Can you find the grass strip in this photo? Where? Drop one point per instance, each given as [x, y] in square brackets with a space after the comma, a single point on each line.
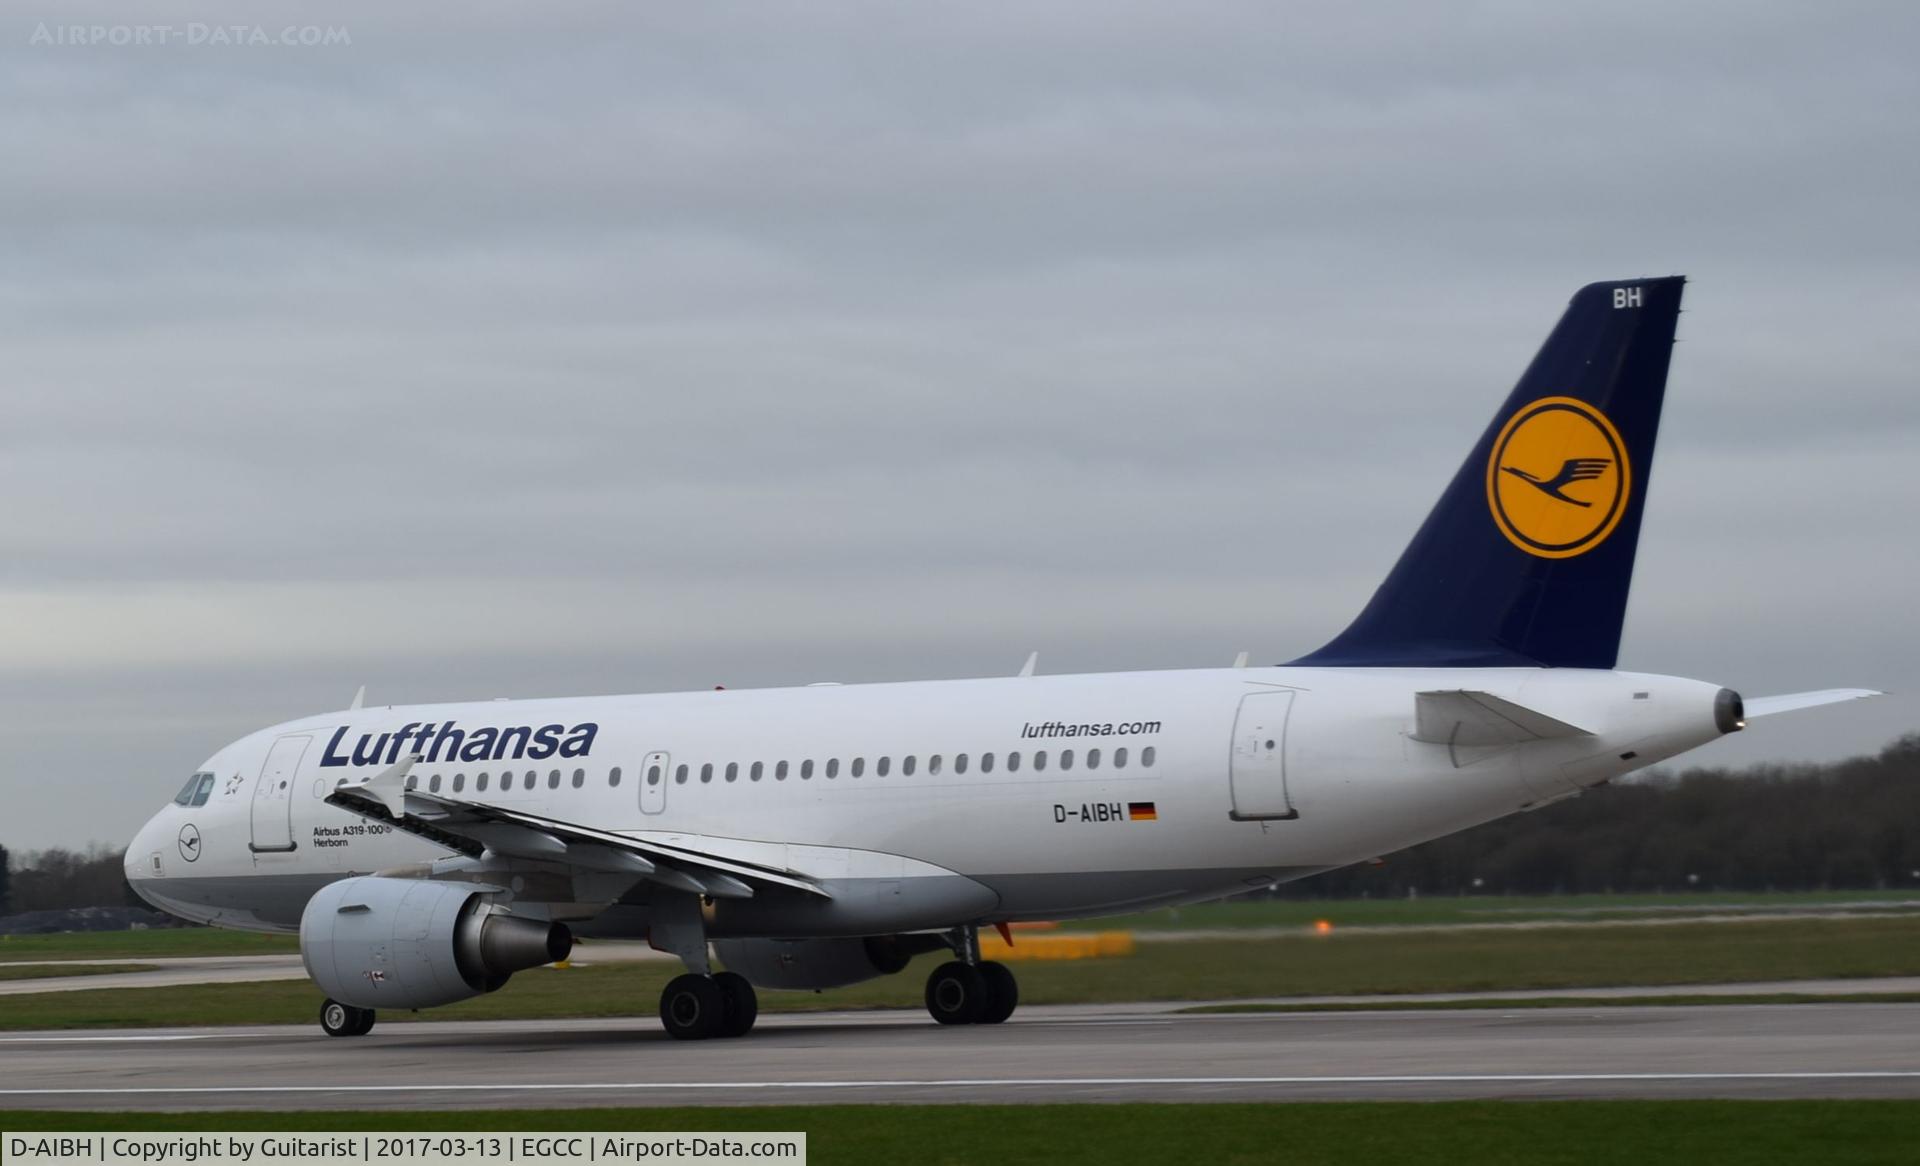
[1486, 1133]
[152, 943]
[1496, 909]
[1368, 963]
[1483, 1003]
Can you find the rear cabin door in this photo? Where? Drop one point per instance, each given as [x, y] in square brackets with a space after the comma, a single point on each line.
[653, 783]
[273, 796]
[1259, 764]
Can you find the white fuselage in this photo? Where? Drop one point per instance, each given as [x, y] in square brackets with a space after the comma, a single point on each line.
[1232, 779]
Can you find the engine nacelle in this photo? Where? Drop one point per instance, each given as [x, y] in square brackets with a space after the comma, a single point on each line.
[821, 963]
[407, 943]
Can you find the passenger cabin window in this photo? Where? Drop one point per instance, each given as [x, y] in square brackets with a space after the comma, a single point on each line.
[1066, 759]
[706, 773]
[833, 767]
[960, 763]
[459, 782]
[433, 786]
[758, 767]
[1120, 757]
[733, 771]
[579, 778]
[413, 781]
[553, 779]
[881, 767]
[859, 766]
[480, 783]
[780, 772]
[906, 765]
[613, 776]
[1013, 762]
[986, 763]
[806, 769]
[1146, 758]
[680, 775]
[933, 764]
[1093, 759]
[1039, 759]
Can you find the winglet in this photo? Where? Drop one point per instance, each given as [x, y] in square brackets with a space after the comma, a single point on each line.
[1033, 661]
[359, 698]
[390, 785]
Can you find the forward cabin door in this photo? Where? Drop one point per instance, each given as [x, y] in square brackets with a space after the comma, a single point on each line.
[653, 783]
[273, 796]
[1259, 764]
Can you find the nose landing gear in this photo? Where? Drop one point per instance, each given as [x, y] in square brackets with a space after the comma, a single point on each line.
[970, 990]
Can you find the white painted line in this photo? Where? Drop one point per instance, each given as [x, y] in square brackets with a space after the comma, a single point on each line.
[987, 1082]
[82, 1040]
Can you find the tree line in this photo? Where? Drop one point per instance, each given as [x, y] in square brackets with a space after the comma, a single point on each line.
[1852, 824]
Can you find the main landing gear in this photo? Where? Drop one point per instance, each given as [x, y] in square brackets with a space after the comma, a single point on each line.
[338, 1019]
[970, 990]
[695, 1007]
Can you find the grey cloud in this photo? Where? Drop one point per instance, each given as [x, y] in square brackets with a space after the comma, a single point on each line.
[635, 347]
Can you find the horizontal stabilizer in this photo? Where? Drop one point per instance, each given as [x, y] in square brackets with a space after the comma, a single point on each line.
[1766, 706]
[1463, 717]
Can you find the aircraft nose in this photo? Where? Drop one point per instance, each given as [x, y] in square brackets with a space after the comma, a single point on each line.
[145, 860]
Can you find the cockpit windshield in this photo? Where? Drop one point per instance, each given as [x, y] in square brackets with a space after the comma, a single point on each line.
[198, 789]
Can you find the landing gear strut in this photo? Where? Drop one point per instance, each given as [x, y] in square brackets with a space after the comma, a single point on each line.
[337, 1019]
[970, 990]
[695, 1007]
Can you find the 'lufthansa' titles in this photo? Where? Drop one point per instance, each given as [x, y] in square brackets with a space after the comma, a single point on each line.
[448, 741]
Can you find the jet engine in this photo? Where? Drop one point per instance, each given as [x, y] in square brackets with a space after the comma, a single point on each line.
[376, 942]
[813, 964]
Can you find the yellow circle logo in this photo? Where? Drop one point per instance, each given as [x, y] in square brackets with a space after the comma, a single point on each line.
[1558, 479]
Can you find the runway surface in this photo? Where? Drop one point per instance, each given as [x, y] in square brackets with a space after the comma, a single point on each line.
[1136, 1052]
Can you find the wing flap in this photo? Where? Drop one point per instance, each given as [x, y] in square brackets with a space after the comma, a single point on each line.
[472, 828]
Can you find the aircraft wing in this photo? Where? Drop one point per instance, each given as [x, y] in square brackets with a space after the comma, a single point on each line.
[686, 863]
[1466, 717]
[1766, 706]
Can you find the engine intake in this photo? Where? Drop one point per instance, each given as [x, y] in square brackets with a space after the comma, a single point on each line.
[377, 942]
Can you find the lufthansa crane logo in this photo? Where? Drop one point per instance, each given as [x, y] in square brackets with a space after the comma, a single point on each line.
[1558, 478]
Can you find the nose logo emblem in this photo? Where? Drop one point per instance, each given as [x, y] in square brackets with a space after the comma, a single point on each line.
[189, 842]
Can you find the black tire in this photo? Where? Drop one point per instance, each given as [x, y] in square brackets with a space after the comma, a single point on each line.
[740, 1004]
[337, 1019]
[1003, 992]
[956, 994]
[692, 1008]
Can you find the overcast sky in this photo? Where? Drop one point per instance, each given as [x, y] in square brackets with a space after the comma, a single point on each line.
[649, 347]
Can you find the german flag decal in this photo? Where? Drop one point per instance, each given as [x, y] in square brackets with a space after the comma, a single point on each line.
[1142, 812]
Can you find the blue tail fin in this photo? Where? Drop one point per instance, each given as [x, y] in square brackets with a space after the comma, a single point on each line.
[1528, 556]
